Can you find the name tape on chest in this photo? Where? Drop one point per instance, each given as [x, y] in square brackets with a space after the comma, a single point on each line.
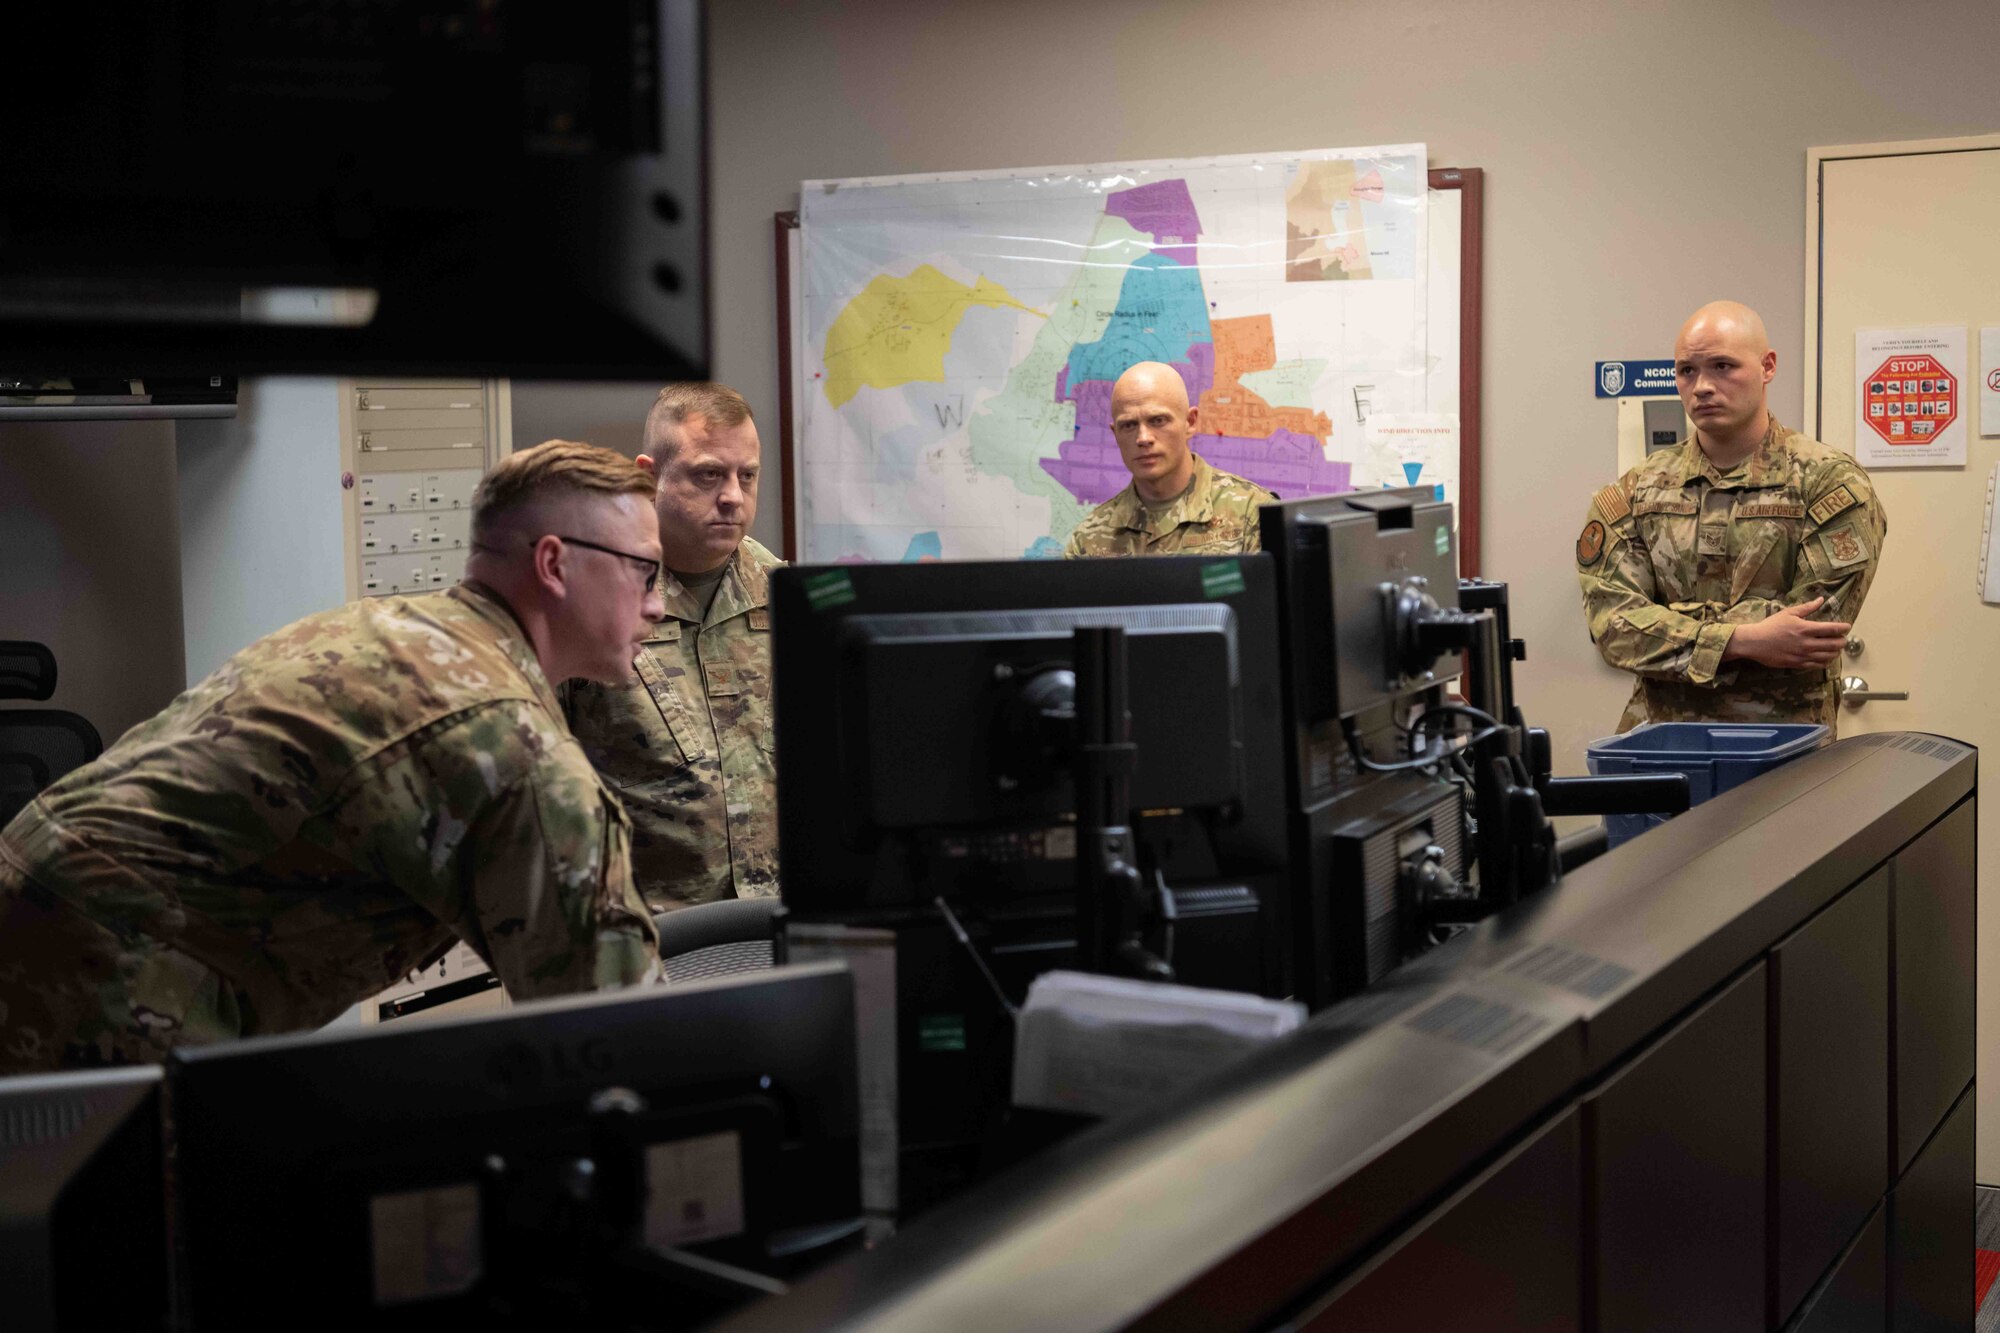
[1833, 502]
[1772, 509]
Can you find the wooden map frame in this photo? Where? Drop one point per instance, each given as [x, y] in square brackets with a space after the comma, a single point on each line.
[1470, 182]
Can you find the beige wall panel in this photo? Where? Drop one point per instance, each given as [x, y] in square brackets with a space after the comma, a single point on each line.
[1642, 159]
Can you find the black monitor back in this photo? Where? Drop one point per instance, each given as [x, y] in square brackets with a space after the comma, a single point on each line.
[83, 1239]
[897, 790]
[297, 1154]
[1343, 562]
[411, 188]
[888, 689]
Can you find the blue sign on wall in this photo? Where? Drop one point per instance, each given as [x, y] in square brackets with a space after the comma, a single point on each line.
[1635, 379]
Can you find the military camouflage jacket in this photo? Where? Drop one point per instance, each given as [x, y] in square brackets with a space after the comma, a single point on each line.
[1217, 516]
[1676, 554]
[688, 746]
[327, 811]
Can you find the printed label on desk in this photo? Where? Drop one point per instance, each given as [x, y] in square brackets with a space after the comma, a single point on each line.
[696, 1190]
[426, 1243]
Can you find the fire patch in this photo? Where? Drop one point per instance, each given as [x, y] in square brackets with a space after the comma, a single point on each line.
[1843, 546]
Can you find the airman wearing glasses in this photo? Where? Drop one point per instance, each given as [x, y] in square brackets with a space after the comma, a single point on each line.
[688, 744]
[347, 798]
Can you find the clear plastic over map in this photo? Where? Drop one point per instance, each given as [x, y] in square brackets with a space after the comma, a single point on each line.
[959, 336]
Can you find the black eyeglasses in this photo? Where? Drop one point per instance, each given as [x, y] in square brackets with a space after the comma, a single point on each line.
[652, 567]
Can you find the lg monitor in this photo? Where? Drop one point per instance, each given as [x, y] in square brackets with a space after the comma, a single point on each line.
[80, 1187]
[640, 1159]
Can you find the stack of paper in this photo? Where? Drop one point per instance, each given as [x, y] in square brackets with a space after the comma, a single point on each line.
[1103, 1045]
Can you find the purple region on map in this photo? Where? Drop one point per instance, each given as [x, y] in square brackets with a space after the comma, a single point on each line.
[1093, 397]
[1161, 305]
[1164, 209]
[1287, 464]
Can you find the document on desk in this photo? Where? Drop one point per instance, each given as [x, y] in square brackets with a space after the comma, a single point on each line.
[1104, 1045]
[871, 956]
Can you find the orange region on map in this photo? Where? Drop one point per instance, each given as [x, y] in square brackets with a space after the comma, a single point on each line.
[1243, 346]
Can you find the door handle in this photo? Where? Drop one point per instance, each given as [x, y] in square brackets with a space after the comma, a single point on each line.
[1854, 692]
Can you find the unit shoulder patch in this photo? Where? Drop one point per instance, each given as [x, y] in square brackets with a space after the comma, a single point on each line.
[1833, 502]
[1610, 504]
[1590, 546]
[1844, 545]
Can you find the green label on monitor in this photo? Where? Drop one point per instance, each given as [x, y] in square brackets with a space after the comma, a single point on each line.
[1444, 539]
[941, 1032]
[1222, 580]
[829, 589]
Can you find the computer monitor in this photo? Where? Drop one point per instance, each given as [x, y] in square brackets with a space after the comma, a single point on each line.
[923, 726]
[83, 1238]
[923, 722]
[476, 1168]
[416, 189]
[1370, 595]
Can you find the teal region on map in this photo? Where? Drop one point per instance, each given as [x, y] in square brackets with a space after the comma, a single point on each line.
[1162, 313]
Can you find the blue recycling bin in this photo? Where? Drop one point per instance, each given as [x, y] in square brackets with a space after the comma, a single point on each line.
[1715, 756]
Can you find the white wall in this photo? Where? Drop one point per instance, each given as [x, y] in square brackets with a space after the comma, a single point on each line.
[610, 415]
[1641, 159]
[260, 517]
[88, 535]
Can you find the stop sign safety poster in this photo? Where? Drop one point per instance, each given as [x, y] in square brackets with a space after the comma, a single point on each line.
[1910, 401]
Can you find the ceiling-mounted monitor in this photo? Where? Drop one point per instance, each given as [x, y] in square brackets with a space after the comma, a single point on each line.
[501, 188]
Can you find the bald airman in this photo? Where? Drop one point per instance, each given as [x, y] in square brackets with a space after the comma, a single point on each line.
[1726, 572]
[1177, 504]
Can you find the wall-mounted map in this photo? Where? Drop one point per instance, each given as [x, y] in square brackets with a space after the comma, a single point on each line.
[960, 335]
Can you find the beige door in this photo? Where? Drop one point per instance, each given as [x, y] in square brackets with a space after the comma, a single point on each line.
[1899, 236]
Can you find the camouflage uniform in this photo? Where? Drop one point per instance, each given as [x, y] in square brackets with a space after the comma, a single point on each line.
[1218, 516]
[1676, 553]
[334, 806]
[688, 746]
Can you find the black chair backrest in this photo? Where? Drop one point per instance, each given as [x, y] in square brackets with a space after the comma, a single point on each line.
[27, 670]
[716, 939]
[37, 746]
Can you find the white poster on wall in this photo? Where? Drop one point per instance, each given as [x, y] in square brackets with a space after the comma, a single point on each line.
[1989, 383]
[1411, 449]
[1910, 397]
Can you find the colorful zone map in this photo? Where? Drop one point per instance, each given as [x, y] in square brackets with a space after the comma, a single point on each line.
[1162, 315]
[938, 391]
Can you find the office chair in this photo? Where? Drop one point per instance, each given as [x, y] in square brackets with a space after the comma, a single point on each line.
[37, 745]
[27, 670]
[716, 939]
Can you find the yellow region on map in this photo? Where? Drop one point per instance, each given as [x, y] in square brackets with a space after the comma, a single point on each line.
[898, 330]
[1325, 237]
